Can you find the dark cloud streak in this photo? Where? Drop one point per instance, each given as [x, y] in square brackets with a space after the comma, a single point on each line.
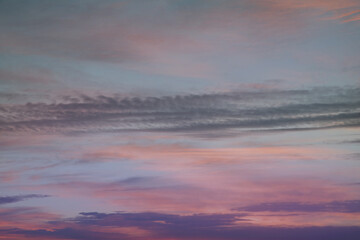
[262, 110]
[19, 198]
[89, 225]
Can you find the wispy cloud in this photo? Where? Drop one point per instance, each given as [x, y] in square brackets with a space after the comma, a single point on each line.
[351, 206]
[18, 198]
[115, 32]
[243, 110]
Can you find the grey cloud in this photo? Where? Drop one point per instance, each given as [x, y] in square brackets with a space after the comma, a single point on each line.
[18, 198]
[352, 141]
[261, 110]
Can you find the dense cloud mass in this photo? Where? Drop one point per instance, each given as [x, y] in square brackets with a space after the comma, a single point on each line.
[165, 226]
[315, 108]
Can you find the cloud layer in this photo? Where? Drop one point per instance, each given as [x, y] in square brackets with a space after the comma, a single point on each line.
[352, 206]
[147, 225]
[179, 119]
[302, 109]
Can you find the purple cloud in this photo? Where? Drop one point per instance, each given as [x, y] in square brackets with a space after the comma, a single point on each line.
[18, 198]
[351, 206]
[164, 226]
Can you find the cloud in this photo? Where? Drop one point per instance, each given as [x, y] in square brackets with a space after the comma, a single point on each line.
[24, 218]
[206, 190]
[92, 225]
[347, 16]
[264, 110]
[187, 156]
[64, 233]
[168, 37]
[150, 219]
[352, 141]
[18, 198]
[351, 206]
[103, 31]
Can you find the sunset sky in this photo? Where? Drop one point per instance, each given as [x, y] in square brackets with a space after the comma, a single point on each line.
[180, 119]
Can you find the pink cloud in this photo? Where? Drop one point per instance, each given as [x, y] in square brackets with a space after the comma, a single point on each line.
[178, 154]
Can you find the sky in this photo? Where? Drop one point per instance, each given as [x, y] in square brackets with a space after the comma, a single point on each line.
[180, 119]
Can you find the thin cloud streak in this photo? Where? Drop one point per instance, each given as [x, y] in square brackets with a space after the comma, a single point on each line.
[19, 198]
[351, 206]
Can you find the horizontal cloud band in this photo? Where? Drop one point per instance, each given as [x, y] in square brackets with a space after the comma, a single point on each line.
[286, 109]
